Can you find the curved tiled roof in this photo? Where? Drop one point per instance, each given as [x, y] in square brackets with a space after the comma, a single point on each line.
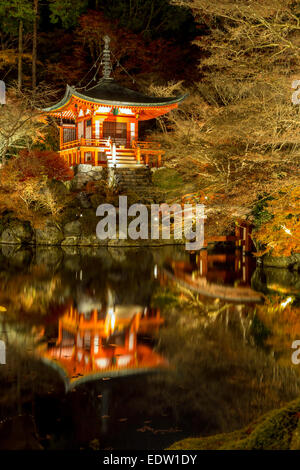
[109, 91]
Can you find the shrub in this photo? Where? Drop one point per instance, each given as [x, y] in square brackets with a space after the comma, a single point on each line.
[38, 163]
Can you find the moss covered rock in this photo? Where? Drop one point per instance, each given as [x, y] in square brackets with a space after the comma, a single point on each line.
[51, 234]
[17, 232]
[276, 430]
[72, 229]
[291, 262]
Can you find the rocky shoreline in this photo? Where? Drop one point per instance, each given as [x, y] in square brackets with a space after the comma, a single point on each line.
[16, 232]
[288, 262]
[70, 234]
[77, 227]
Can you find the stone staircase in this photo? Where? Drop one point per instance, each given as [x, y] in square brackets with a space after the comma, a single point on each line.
[125, 158]
[137, 179]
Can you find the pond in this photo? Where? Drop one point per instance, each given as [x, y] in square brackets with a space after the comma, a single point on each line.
[135, 348]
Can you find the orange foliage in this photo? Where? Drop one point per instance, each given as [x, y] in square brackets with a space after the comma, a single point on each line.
[25, 190]
[37, 163]
[281, 234]
[283, 323]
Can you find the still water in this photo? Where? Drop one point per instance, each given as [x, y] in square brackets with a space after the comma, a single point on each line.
[137, 348]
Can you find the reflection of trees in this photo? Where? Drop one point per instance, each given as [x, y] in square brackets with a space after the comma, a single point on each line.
[220, 379]
[222, 374]
[282, 324]
[39, 286]
[32, 295]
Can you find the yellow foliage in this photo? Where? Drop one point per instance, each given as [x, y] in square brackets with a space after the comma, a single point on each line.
[281, 234]
[283, 322]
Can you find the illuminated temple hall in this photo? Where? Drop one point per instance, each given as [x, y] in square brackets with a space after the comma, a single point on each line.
[104, 342]
[100, 125]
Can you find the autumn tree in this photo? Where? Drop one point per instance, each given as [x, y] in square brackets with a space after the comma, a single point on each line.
[279, 231]
[19, 18]
[34, 41]
[27, 188]
[66, 12]
[251, 57]
[21, 119]
[34, 163]
[238, 133]
[151, 18]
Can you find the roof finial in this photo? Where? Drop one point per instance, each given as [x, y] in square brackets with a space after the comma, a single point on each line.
[106, 63]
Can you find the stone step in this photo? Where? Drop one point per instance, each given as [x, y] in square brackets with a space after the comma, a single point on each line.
[133, 181]
[133, 177]
[128, 174]
[111, 164]
[124, 165]
[137, 179]
[139, 176]
[143, 170]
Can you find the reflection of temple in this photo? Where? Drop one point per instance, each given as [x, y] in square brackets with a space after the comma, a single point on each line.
[104, 343]
[220, 275]
[224, 268]
[227, 268]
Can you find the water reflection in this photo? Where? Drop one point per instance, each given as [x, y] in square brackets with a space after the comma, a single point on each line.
[226, 276]
[95, 343]
[81, 326]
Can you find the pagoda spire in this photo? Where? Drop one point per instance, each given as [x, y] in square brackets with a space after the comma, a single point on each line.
[106, 62]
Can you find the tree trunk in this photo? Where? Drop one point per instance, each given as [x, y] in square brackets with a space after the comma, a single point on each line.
[20, 53]
[34, 43]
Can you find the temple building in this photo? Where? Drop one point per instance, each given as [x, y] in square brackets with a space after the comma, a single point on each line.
[100, 125]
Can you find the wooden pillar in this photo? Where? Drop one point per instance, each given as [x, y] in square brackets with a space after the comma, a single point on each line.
[242, 232]
[203, 262]
[128, 134]
[238, 234]
[248, 239]
[61, 134]
[93, 133]
[101, 129]
[136, 130]
[138, 154]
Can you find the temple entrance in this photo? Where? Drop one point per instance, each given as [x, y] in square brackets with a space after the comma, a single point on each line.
[117, 131]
